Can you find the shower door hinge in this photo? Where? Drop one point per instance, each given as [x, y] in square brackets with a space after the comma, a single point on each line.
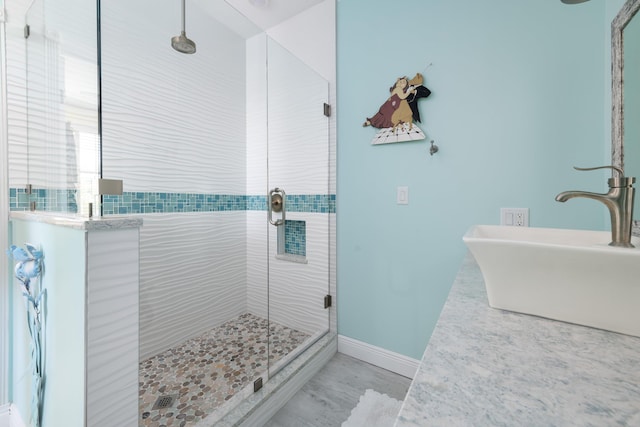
[27, 31]
[110, 186]
[327, 301]
[257, 384]
[327, 110]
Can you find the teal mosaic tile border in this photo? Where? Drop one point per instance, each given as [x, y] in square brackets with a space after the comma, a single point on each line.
[295, 237]
[147, 202]
[51, 200]
[319, 203]
[142, 202]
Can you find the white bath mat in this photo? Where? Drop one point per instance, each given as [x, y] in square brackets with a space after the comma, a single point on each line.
[374, 410]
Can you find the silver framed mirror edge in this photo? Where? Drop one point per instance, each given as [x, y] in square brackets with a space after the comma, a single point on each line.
[624, 16]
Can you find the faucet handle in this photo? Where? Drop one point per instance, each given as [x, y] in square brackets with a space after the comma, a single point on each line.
[617, 169]
[619, 182]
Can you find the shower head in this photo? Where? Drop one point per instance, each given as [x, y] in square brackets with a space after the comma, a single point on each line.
[181, 43]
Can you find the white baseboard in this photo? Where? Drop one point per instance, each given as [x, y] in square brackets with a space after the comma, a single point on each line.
[10, 417]
[389, 360]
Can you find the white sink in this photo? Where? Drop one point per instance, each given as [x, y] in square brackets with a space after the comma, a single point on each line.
[568, 275]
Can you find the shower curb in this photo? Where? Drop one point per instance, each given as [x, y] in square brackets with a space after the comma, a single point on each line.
[258, 408]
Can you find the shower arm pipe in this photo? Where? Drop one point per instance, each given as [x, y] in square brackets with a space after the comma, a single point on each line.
[183, 18]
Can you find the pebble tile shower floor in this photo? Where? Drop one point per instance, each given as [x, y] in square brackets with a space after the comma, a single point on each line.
[205, 372]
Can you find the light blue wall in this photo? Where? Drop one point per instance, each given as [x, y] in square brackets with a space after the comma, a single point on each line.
[64, 279]
[520, 95]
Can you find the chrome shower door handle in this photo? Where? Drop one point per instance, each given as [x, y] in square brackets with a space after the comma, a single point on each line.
[277, 199]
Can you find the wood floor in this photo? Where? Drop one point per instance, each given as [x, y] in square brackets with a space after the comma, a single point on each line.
[328, 398]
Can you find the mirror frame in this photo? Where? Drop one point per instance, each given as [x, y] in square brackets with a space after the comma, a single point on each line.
[624, 16]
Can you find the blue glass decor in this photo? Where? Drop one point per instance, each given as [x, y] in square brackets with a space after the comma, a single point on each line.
[28, 269]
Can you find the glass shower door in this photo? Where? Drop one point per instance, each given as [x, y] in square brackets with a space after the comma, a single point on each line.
[299, 200]
[61, 135]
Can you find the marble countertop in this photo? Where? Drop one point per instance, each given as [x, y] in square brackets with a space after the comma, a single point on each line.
[78, 222]
[488, 367]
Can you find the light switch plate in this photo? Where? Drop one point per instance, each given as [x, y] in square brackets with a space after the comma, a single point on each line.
[402, 195]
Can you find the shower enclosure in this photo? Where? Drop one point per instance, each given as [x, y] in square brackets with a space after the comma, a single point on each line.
[228, 157]
[226, 298]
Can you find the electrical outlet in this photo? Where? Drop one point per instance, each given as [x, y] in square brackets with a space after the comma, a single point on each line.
[518, 217]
